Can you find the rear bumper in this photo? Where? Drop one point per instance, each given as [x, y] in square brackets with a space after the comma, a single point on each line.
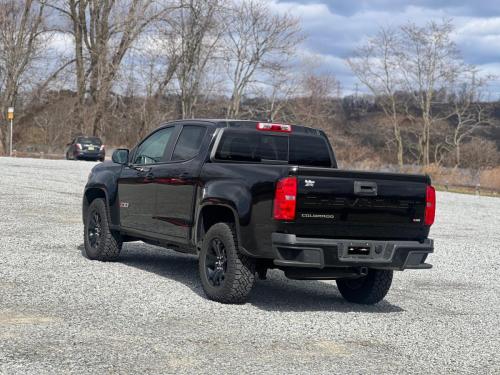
[319, 253]
[90, 154]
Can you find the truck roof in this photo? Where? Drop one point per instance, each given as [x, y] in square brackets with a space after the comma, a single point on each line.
[248, 124]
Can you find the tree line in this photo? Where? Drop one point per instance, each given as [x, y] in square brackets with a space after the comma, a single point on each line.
[124, 66]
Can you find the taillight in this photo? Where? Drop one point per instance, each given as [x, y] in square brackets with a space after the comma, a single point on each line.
[102, 147]
[274, 127]
[285, 199]
[430, 205]
[78, 146]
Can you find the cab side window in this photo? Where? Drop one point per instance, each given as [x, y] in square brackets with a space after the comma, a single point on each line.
[189, 142]
[152, 150]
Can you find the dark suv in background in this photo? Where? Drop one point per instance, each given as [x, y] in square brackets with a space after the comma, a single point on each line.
[88, 148]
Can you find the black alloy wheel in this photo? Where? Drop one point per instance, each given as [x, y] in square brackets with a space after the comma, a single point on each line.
[216, 263]
[95, 229]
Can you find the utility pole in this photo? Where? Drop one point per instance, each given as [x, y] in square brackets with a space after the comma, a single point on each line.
[10, 116]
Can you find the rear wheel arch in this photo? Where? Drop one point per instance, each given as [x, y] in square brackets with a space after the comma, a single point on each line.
[211, 214]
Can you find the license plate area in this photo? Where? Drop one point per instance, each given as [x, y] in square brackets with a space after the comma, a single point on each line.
[361, 251]
[358, 250]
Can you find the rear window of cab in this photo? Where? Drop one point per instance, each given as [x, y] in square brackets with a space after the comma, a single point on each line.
[262, 147]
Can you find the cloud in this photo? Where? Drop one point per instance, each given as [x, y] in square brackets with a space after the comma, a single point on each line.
[457, 7]
[62, 43]
[336, 27]
[479, 40]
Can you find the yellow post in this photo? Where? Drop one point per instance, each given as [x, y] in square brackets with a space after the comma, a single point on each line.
[10, 116]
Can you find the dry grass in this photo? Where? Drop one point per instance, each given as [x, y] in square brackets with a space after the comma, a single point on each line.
[452, 179]
[36, 155]
[491, 178]
[484, 179]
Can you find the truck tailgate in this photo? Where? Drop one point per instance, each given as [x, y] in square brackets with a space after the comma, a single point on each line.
[352, 204]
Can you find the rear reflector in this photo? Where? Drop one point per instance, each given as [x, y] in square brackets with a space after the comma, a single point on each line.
[430, 205]
[285, 199]
[274, 127]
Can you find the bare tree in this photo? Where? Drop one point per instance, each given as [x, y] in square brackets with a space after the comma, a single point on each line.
[468, 113]
[104, 31]
[256, 40]
[273, 95]
[199, 32]
[429, 62]
[22, 27]
[376, 65]
[316, 101]
[49, 122]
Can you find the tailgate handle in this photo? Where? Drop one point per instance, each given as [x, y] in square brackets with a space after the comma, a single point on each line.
[367, 188]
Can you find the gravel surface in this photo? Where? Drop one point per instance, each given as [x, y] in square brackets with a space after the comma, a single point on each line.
[62, 313]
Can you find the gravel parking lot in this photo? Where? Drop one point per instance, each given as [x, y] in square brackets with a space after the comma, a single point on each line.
[62, 313]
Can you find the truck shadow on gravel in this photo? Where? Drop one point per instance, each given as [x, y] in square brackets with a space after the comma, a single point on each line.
[277, 293]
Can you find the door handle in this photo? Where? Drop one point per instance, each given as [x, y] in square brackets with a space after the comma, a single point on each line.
[142, 169]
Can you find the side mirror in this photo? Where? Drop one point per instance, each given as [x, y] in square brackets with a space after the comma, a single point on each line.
[120, 156]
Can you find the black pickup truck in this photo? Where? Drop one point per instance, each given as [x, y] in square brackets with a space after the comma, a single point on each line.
[249, 196]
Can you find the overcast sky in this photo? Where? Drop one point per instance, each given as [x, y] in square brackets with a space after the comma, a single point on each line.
[335, 27]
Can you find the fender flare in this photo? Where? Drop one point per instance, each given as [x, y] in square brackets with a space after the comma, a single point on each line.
[215, 202]
[86, 202]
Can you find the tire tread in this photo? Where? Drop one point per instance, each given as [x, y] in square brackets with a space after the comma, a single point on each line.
[240, 273]
[374, 288]
[111, 244]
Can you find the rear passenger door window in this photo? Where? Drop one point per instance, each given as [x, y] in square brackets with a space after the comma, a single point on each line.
[252, 147]
[189, 142]
[153, 149]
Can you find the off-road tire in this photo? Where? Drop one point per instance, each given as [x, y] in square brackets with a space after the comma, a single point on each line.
[239, 275]
[367, 290]
[110, 243]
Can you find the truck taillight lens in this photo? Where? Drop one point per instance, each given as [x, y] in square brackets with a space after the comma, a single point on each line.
[285, 199]
[78, 146]
[102, 148]
[430, 205]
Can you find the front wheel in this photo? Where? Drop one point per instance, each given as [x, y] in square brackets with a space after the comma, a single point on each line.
[99, 241]
[366, 290]
[226, 275]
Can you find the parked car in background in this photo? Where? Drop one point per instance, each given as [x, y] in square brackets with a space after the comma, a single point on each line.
[88, 148]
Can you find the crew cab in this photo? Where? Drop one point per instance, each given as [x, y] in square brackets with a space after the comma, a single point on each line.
[248, 196]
